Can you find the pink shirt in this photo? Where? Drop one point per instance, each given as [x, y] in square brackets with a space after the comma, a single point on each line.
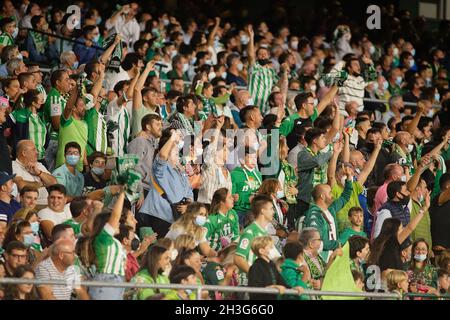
[380, 197]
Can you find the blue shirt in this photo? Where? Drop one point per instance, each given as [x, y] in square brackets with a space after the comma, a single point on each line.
[74, 183]
[175, 185]
[3, 71]
[83, 53]
[9, 209]
[231, 78]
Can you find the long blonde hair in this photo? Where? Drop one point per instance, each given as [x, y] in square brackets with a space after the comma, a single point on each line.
[187, 221]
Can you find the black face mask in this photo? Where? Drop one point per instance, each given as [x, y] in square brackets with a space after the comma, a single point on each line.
[135, 244]
[263, 62]
[370, 146]
[405, 200]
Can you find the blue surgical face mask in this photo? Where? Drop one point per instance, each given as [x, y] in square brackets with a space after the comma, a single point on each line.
[437, 97]
[200, 220]
[385, 85]
[280, 194]
[399, 80]
[35, 227]
[15, 32]
[98, 20]
[96, 38]
[98, 171]
[20, 56]
[75, 65]
[72, 160]
[28, 239]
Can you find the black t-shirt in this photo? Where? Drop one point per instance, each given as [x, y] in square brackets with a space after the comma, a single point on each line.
[263, 274]
[440, 223]
[5, 158]
[90, 182]
[293, 136]
[390, 258]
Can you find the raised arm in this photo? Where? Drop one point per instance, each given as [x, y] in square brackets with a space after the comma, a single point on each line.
[133, 82]
[337, 149]
[98, 86]
[251, 46]
[413, 125]
[71, 102]
[327, 99]
[137, 95]
[106, 55]
[111, 21]
[370, 164]
[335, 126]
[213, 33]
[283, 83]
[346, 150]
[441, 145]
[116, 213]
[420, 168]
[164, 153]
[406, 231]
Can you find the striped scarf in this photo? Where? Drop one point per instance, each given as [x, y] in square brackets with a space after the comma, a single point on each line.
[320, 173]
[40, 41]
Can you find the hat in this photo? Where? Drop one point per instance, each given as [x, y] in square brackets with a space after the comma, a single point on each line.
[5, 177]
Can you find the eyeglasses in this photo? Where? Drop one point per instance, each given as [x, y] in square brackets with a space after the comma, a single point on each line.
[19, 256]
[69, 252]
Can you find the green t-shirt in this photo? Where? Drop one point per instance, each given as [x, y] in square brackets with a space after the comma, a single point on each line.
[111, 256]
[244, 248]
[144, 277]
[173, 295]
[72, 130]
[347, 233]
[289, 123]
[6, 39]
[54, 107]
[222, 226]
[245, 183]
[75, 226]
[342, 215]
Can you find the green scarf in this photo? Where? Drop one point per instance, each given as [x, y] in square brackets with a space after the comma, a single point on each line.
[40, 41]
[116, 57]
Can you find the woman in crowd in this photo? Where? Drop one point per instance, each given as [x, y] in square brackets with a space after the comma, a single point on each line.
[223, 221]
[192, 222]
[22, 291]
[155, 269]
[421, 272]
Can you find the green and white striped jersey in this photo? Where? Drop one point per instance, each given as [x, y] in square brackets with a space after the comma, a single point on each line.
[111, 256]
[6, 39]
[96, 131]
[54, 107]
[262, 79]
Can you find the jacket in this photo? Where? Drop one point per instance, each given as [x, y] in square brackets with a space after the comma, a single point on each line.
[293, 278]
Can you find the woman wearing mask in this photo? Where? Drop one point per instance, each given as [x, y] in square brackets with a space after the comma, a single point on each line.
[223, 221]
[422, 274]
[9, 32]
[156, 261]
[312, 244]
[12, 91]
[171, 191]
[193, 222]
[31, 216]
[214, 173]
[22, 291]
[288, 179]
[27, 123]
[22, 231]
[278, 228]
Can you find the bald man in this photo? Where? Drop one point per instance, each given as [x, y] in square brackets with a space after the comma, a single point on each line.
[242, 99]
[60, 266]
[321, 215]
[402, 149]
[31, 173]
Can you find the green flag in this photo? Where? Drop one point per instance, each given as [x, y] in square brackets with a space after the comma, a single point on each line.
[339, 277]
[116, 57]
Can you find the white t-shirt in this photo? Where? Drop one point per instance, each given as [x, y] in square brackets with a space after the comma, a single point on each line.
[112, 78]
[20, 171]
[48, 214]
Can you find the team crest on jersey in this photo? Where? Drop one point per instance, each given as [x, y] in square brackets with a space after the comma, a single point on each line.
[244, 244]
[219, 275]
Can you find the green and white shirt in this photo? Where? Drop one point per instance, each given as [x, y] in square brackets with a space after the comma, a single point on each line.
[54, 107]
[121, 116]
[75, 226]
[41, 89]
[37, 130]
[262, 79]
[245, 183]
[111, 256]
[6, 39]
[96, 131]
[222, 227]
[244, 248]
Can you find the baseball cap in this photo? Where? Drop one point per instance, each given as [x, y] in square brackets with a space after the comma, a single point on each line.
[5, 177]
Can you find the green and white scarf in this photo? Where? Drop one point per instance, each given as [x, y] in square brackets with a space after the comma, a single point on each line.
[116, 57]
[40, 41]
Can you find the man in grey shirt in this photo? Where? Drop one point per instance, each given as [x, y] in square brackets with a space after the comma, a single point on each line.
[145, 144]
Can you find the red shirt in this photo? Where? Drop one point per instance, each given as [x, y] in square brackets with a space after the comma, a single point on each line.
[132, 266]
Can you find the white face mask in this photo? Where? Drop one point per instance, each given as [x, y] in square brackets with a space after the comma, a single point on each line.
[395, 52]
[314, 88]
[200, 220]
[180, 144]
[245, 40]
[420, 257]
[211, 75]
[410, 148]
[321, 247]
[185, 67]
[343, 179]
[273, 254]
[173, 254]
[403, 178]
[280, 194]
[372, 50]
[411, 63]
[224, 75]
[250, 102]
[240, 66]
[294, 45]
[316, 102]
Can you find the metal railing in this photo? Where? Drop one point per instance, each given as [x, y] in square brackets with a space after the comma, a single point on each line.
[199, 289]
